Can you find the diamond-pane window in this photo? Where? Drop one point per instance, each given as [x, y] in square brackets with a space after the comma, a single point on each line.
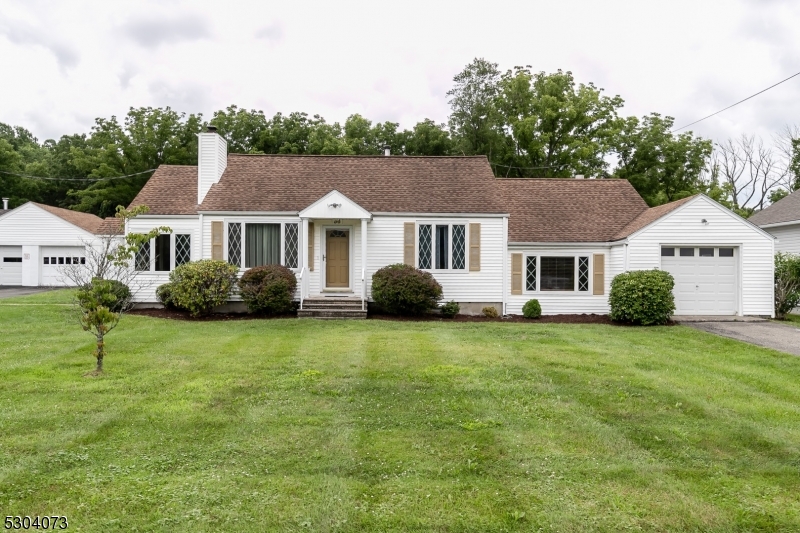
[583, 273]
[530, 274]
[183, 249]
[290, 244]
[235, 243]
[459, 246]
[142, 261]
[425, 246]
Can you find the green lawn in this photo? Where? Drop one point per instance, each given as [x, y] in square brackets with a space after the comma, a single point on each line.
[302, 425]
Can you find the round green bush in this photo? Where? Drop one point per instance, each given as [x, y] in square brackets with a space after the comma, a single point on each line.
[164, 295]
[532, 309]
[404, 290]
[642, 297]
[490, 311]
[268, 289]
[450, 309]
[200, 286]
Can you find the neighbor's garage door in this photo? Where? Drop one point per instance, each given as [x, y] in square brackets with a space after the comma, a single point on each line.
[705, 279]
[10, 265]
[54, 260]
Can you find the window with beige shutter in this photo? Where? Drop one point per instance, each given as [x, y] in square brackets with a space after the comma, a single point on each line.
[216, 240]
[475, 248]
[516, 273]
[408, 243]
[598, 274]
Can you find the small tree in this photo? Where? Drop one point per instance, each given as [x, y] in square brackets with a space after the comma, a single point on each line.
[106, 281]
[787, 283]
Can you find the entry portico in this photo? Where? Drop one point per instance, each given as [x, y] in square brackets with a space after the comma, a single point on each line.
[337, 223]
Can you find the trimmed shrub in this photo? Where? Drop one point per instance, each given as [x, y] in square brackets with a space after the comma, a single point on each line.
[164, 295]
[532, 309]
[787, 283]
[268, 289]
[117, 294]
[490, 312]
[200, 286]
[404, 290]
[450, 309]
[642, 297]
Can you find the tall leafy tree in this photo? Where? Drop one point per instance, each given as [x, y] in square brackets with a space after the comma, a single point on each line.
[474, 120]
[241, 128]
[661, 166]
[427, 138]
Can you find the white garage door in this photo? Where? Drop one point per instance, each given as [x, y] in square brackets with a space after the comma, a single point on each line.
[705, 279]
[54, 260]
[10, 265]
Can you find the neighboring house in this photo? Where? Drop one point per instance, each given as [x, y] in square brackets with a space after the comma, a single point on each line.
[35, 239]
[782, 219]
[335, 220]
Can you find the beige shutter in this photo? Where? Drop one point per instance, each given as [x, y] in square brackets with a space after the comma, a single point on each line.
[516, 273]
[408, 243]
[474, 247]
[311, 246]
[216, 240]
[599, 275]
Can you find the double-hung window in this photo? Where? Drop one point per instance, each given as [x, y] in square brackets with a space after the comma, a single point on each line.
[558, 273]
[256, 244]
[442, 246]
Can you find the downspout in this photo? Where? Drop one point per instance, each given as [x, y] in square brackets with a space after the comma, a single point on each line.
[626, 257]
[201, 236]
[505, 263]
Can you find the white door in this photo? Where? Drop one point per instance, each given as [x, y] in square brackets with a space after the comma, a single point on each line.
[705, 279]
[54, 259]
[10, 265]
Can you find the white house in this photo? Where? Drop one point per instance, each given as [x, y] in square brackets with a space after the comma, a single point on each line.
[782, 219]
[35, 239]
[335, 220]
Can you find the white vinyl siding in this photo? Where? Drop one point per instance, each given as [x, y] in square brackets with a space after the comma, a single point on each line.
[684, 227]
[565, 302]
[788, 238]
[385, 247]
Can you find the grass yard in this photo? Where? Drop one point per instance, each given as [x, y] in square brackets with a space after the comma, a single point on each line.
[302, 425]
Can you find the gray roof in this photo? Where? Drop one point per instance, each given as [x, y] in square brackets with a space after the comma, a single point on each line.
[785, 210]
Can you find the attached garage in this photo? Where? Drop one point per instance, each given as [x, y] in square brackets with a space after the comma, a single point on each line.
[10, 265]
[705, 279]
[54, 259]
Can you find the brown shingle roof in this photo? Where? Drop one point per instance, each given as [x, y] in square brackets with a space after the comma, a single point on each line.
[784, 210]
[399, 184]
[110, 226]
[85, 221]
[568, 210]
[171, 190]
[650, 216]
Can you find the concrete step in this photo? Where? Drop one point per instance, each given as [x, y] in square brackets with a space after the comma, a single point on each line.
[307, 305]
[332, 313]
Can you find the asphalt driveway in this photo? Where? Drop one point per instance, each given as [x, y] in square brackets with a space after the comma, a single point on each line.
[783, 337]
[10, 292]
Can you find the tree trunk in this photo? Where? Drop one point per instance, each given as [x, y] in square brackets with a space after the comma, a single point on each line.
[100, 353]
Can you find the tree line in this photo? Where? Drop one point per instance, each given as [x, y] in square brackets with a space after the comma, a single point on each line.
[528, 124]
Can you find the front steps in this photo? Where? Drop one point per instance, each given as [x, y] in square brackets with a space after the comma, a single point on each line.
[348, 307]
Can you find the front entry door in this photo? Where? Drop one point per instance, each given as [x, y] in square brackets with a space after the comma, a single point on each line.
[337, 262]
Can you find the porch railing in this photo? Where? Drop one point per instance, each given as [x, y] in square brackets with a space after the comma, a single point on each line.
[303, 286]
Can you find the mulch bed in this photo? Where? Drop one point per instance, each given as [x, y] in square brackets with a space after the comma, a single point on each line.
[546, 319]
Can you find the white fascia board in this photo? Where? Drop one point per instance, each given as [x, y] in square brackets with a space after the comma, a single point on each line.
[259, 213]
[346, 209]
[710, 202]
[569, 244]
[442, 215]
[168, 216]
[781, 224]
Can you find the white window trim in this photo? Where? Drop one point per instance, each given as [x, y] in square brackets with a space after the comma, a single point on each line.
[449, 225]
[242, 251]
[588, 292]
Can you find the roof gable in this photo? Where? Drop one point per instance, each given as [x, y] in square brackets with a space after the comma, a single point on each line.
[85, 221]
[335, 205]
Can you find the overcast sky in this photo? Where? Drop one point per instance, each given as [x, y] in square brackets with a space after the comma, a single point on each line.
[65, 63]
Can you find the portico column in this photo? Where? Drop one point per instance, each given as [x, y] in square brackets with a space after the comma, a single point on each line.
[363, 261]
